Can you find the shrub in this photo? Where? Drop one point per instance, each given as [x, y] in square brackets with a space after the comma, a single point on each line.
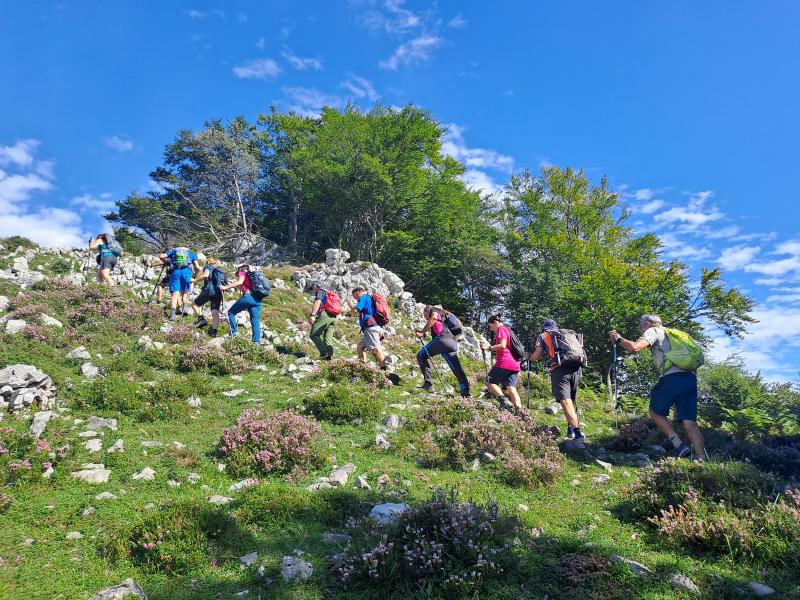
[60, 266]
[453, 433]
[635, 434]
[780, 455]
[340, 403]
[726, 508]
[441, 548]
[158, 359]
[13, 241]
[43, 335]
[250, 352]
[179, 538]
[116, 393]
[282, 443]
[5, 501]
[211, 360]
[349, 371]
[539, 387]
[181, 334]
[23, 458]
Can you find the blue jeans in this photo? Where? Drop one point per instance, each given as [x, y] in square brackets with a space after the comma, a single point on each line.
[252, 306]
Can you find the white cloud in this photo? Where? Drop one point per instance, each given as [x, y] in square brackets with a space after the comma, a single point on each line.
[484, 158]
[650, 207]
[389, 17]
[199, 14]
[360, 88]
[119, 144]
[27, 175]
[258, 68]
[457, 22]
[309, 101]
[300, 63]
[102, 203]
[261, 43]
[736, 257]
[678, 248]
[693, 215]
[415, 51]
[476, 179]
[644, 194]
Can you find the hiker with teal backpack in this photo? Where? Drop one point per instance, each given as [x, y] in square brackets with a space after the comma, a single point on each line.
[677, 356]
[108, 252]
[505, 372]
[443, 326]
[183, 263]
[212, 280]
[326, 307]
[564, 353]
[254, 287]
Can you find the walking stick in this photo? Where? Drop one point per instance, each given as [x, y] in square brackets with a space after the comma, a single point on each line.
[528, 390]
[614, 386]
[433, 364]
[158, 281]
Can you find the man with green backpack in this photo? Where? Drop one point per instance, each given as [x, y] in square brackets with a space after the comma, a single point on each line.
[677, 356]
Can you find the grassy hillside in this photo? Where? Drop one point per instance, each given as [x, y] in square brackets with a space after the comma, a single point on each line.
[559, 548]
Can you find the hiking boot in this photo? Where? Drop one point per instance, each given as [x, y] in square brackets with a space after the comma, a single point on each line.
[427, 387]
[201, 322]
[684, 450]
[174, 317]
[212, 333]
[506, 405]
[570, 433]
[465, 391]
[326, 357]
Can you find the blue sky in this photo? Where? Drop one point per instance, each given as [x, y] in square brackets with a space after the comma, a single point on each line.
[689, 108]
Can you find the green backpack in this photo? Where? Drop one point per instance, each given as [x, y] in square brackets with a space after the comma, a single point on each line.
[684, 352]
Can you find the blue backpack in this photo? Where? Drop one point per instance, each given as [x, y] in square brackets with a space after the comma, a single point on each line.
[182, 257]
[260, 287]
[216, 278]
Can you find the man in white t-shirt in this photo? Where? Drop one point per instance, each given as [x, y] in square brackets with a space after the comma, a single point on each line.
[676, 386]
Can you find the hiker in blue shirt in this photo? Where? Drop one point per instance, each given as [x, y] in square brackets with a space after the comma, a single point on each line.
[106, 258]
[372, 332]
[184, 264]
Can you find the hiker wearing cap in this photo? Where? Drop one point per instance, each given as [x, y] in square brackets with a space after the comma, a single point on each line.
[183, 263]
[108, 253]
[324, 310]
[371, 330]
[249, 301]
[565, 371]
[212, 279]
[505, 371]
[677, 385]
[442, 342]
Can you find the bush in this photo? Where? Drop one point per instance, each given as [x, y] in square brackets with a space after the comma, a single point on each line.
[780, 455]
[116, 393]
[6, 501]
[635, 434]
[13, 241]
[60, 266]
[341, 403]
[181, 334]
[726, 509]
[23, 458]
[441, 548]
[250, 352]
[282, 443]
[180, 538]
[349, 371]
[211, 360]
[455, 432]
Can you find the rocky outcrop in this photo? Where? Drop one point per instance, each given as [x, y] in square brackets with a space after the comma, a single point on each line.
[127, 589]
[23, 386]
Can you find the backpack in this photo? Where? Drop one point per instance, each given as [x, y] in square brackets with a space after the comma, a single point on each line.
[382, 313]
[216, 278]
[453, 323]
[333, 304]
[565, 348]
[517, 348]
[113, 245]
[260, 287]
[181, 258]
[684, 352]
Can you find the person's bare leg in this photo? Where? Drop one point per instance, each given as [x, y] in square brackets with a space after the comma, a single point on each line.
[159, 294]
[569, 413]
[173, 301]
[99, 277]
[666, 428]
[198, 310]
[360, 350]
[696, 439]
[494, 390]
[380, 356]
[215, 319]
[514, 397]
[107, 277]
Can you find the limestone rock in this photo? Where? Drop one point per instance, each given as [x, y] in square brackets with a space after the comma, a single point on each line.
[294, 568]
[244, 483]
[89, 370]
[634, 567]
[219, 500]
[105, 496]
[4, 302]
[15, 326]
[50, 321]
[99, 423]
[387, 513]
[146, 474]
[194, 402]
[40, 421]
[233, 393]
[552, 409]
[92, 473]
[607, 466]
[362, 483]
[93, 445]
[248, 559]
[759, 589]
[118, 446]
[79, 353]
[335, 538]
[381, 442]
[127, 589]
[22, 386]
[682, 582]
[392, 422]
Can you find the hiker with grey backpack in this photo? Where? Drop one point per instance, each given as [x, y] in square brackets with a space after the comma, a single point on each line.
[254, 288]
[444, 326]
[108, 252]
[563, 351]
[212, 279]
[677, 356]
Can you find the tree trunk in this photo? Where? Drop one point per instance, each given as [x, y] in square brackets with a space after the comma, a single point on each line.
[240, 203]
[293, 210]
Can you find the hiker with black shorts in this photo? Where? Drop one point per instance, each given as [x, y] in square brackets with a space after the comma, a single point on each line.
[563, 352]
[505, 371]
[677, 384]
[109, 251]
[443, 343]
[324, 310]
[211, 278]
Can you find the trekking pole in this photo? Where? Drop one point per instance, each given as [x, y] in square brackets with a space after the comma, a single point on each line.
[614, 385]
[433, 364]
[158, 281]
[528, 389]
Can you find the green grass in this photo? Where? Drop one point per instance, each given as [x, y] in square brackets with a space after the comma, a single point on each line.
[575, 515]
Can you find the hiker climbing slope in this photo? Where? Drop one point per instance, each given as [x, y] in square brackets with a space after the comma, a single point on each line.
[563, 351]
[371, 319]
[109, 251]
[254, 287]
[326, 307]
[184, 264]
[677, 357]
[505, 371]
[212, 280]
[442, 326]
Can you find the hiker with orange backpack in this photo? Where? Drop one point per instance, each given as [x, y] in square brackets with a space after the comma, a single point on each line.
[564, 353]
[326, 307]
[443, 326]
[677, 356]
[373, 315]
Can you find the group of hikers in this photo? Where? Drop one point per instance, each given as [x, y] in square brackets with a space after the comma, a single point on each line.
[675, 355]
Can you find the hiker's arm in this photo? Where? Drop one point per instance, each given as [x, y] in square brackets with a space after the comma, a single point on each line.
[536, 354]
[498, 346]
[163, 258]
[314, 309]
[628, 345]
[94, 244]
[428, 324]
[233, 284]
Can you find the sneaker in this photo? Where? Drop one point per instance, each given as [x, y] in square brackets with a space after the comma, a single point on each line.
[174, 317]
[212, 332]
[201, 322]
[427, 387]
[570, 433]
[684, 450]
[506, 405]
[326, 357]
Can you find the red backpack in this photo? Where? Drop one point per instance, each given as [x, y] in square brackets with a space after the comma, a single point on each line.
[333, 304]
[382, 313]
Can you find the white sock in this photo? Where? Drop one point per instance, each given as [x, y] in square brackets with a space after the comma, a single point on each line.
[676, 441]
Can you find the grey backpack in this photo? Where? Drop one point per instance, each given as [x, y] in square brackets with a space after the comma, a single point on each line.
[567, 348]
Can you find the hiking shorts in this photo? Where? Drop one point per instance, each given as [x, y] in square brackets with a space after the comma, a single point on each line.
[679, 389]
[564, 383]
[108, 262]
[504, 377]
[206, 295]
[371, 339]
[180, 280]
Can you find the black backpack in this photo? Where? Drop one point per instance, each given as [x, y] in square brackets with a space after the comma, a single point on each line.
[260, 287]
[517, 348]
[453, 323]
